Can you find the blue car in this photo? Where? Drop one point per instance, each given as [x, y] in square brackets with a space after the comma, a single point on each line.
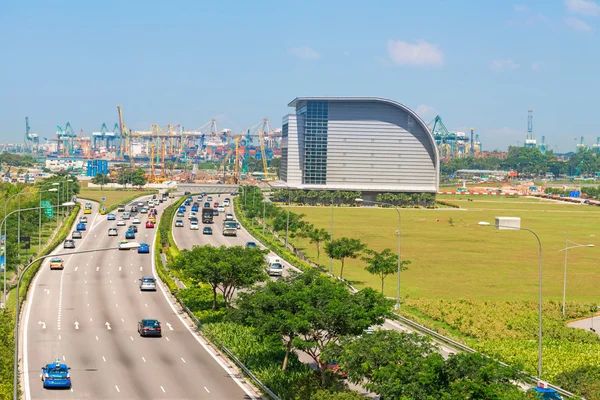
[130, 234]
[111, 217]
[195, 208]
[81, 226]
[56, 375]
[543, 392]
[144, 248]
[182, 208]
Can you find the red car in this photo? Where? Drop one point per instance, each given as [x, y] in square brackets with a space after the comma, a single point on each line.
[149, 224]
[334, 366]
[216, 205]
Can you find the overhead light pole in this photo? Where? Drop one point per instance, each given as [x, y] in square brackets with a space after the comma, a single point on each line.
[130, 245]
[540, 307]
[566, 250]
[359, 201]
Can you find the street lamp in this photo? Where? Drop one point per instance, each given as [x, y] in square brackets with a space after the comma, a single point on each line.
[397, 306]
[484, 223]
[566, 250]
[130, 245]
[40, 216]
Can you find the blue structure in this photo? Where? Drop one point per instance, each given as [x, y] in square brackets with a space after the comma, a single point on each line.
[95, 167]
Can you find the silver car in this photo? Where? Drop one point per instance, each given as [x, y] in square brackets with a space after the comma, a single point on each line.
[147, 283]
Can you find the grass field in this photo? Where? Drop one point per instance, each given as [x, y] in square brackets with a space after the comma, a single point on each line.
[112, 196]
[471, 261]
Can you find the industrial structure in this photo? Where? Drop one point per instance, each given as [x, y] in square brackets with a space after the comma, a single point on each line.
[372, 145]
[454, 144]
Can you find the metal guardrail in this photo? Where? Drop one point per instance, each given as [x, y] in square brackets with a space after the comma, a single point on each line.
[225, 350]
[467, 349]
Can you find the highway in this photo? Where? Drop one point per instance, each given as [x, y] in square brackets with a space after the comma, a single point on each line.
[87, 315]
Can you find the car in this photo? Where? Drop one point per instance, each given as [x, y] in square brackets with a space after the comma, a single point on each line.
[87, 211]
[251, 245]
[83, 220]
[207, 230]
[147, 283]
[195, 208]
[110, 217]
[186, 193]
[113, 232]
[215, 212]
[80, 226]
[76, 235]
[69, 244]
[102, 211]
[180, 214]
[56, 263]
[182, 208]
[120, 223]
[122, 245]
[143, 210]
[149, 327]
[193, 219]
[209, 198]
[188, 203]
[216, 205]
[194, 226]
[56, 375]
[543, 392]
[207, 205]
[130, 234]
[140, 204]
[153, 212]
[221, 209]
[144, 248]
[136, 220]
[228, 217]
[334, 367]
[152, 219]
[125, 215]
[88, 205]
[238, 226]
[179, 223]
[134, 209]
[133, 228]
[149, 224]
[192, 214]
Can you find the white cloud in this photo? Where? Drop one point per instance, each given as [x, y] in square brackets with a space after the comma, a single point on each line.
[420, 53]
[503, 64]
[426, 112]
[305, 53]
[583, 7]
[536, 66]
[577, 25]
[521, 8]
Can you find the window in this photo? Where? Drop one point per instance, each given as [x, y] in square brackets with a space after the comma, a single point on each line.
[315, 141]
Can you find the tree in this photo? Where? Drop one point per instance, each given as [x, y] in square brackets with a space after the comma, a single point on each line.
[318, 236]
[344, 248]
[383, 263]
[101, 179]
[223, 268]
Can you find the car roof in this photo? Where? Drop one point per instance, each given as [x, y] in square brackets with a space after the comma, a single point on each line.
[52, 365]
[56, 259]
[150, 320]
[148, 277]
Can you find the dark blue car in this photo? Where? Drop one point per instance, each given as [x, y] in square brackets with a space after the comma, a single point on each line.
[543, 392]
[130, 234]
[182, 208]
[144, 248]
[56, 375]
[81, 226]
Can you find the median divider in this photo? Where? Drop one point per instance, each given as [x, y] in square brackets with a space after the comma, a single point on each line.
[164, 237]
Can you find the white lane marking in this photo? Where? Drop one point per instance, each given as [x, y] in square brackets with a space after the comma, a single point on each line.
[110, 281]
[64, 358]
[76, 268]
[144, 359]
[60, 295]
[86, 292]
[76, 325]
[131, 272]
[97, 268]
[117, 305]
[97, 338]
[170, 326]
[167, 339]
[122, 320]
[141, 268]
[107, 325]
[90, 320]
[163, 389]
[119, 268]
[116, 387]
[104, 358]
[84, 281]
[146, 304]
[114, 291]
[205, 388]
[183, 360]
[131, 337]
[59, 338]
[109, 271]
[88, 304]
[43, 324]
[85, 273]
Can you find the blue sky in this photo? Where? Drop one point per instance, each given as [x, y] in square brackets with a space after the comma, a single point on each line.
[478, 64]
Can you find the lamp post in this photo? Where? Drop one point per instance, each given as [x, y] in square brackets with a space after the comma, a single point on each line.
[131, 245]
[540, 308]
[397, 306]
[40, 217]
[566, 250]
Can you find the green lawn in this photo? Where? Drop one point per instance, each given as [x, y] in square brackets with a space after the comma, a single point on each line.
[471, 261]
[112, 196]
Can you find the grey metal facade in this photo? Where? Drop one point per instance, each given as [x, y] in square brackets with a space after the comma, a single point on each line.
[366, 144]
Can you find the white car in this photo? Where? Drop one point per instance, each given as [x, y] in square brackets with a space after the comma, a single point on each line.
[113, 232]
[140, 204]
[194, 226]
[120, 223]
[221, 209]
[192, 214]
[136, 220]
[228, 217]
[143, 210]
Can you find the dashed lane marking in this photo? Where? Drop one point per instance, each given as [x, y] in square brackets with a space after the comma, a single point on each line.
[163, 389]
[116, 387]
[131, 337]
[104, 358]
[144, 359]
[205, 388]
[183, 360]
[97, 338]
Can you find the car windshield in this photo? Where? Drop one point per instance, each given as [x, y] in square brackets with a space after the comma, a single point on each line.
[148, 279]
[56, 260]
[152, 323]
[276, 266]
[60, 370]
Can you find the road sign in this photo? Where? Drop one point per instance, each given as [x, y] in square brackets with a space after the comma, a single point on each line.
[45, 203]
[49, 212]
[104, 199]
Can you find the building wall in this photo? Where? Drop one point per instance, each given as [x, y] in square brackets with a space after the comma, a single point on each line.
[372, 145]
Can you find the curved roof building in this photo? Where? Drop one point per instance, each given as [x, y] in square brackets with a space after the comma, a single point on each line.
[357, 143]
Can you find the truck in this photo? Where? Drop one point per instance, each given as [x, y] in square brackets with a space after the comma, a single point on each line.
[229, 228]
[274, 266]
[207, 215]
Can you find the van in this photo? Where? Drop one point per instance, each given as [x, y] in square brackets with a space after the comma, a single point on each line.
[274, 266]
[121, 208]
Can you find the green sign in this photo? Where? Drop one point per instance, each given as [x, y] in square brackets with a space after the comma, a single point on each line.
[48, 210]
[45, 203]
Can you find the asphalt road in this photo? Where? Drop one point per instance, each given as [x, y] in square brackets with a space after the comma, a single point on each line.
[87, 316]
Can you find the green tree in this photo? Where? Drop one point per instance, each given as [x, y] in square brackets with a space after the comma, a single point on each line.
[101, 179]
[383, 263]
[344, 248]
[318, 236]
